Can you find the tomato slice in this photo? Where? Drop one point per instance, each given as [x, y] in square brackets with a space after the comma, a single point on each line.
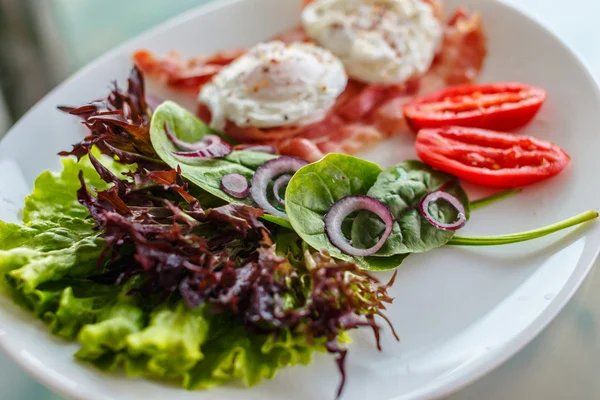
[500, 106]
[490, 158]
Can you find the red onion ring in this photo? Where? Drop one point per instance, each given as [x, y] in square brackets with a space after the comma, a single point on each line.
[266, 173]
[182, 145]
[279, 183]
[340, 210]
[235, 185]
[435, 196]
[215, 148]
[257, 147]
[211, 146]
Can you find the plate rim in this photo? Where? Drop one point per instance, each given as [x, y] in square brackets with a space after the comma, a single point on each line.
[442, 386]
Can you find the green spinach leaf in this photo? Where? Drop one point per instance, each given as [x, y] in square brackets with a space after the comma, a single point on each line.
[402, 188]
[207, 174]
[313, 190]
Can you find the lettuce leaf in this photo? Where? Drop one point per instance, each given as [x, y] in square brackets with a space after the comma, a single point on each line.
[72, 313]
[103, 340]
[195, 347]
[171, 341]
[44, 266]
[55, 241]
[233, 353]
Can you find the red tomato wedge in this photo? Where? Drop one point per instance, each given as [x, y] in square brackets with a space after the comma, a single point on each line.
[489, 158]
[500, 106]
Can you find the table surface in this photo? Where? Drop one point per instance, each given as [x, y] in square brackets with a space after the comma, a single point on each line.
[562, 362]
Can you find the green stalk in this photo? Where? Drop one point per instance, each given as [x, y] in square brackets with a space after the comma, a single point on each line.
[524, 236]
[486, 201]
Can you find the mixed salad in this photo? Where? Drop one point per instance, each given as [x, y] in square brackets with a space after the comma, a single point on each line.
[237, 239]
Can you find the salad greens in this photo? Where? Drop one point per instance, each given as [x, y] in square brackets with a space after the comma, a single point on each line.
[55, 242]
[123, 258]
[208, 174]
[313, 190]
[195, 347]
[401, 188]
[46, 262]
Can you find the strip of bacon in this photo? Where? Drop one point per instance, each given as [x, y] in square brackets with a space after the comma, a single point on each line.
[462, 56]
[175, 71]
[300, 147]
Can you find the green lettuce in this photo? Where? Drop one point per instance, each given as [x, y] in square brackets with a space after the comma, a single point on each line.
[231, 353]
[197, 348]
[55, 242]
[44, 266]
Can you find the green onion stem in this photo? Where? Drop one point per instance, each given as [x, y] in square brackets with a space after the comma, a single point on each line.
[524, 236]
[486, 201]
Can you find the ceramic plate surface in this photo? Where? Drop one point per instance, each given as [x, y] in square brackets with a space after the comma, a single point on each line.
[460, 312]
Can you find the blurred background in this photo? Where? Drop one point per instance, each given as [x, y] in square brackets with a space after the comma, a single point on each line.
[44, 41]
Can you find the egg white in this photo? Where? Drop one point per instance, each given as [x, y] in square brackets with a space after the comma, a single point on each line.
[275, 85]
[379, 41]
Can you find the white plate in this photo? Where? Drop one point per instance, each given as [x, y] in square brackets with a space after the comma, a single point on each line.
[459, 312]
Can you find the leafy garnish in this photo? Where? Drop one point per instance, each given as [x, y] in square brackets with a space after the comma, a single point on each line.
[119, 125]
[208, 173]
[316, 187]
[55, 241]
[169, 289]
[402, 188]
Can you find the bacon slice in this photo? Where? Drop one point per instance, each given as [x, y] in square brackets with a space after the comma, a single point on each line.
[389, 118]
[462, 56]
[351, 139]
[185, 74]
[350, 127]
[300, 147]
[348, 139]
[362, 105]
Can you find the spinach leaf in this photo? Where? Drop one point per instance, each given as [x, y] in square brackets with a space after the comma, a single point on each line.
[402, 188]
[379, 264]
[313, 190]
[208, 173]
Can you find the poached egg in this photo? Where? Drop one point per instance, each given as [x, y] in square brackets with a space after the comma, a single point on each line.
[379, 41]
[275, 85]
